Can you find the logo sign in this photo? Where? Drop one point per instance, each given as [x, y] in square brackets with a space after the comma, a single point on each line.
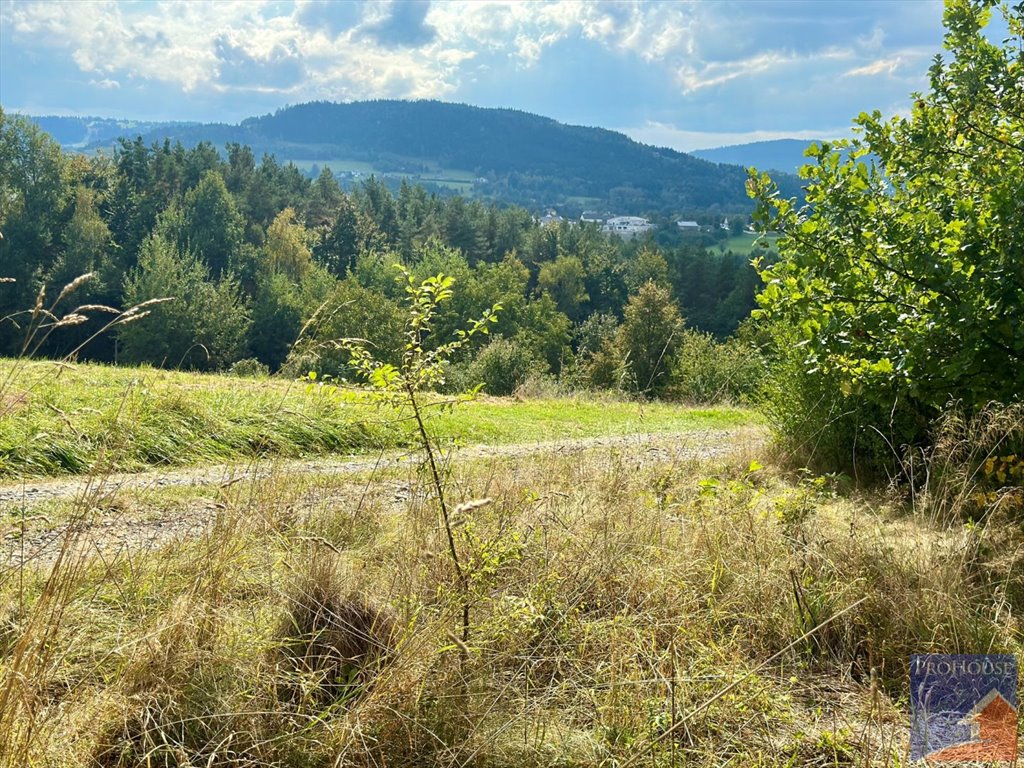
[963, 708]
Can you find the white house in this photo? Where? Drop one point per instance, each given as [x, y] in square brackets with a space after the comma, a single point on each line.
[550, 217]
[626, 226]
[688, 226]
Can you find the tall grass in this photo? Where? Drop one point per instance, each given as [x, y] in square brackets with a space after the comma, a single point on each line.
[632, 605]
[630, 608]
[62, 418]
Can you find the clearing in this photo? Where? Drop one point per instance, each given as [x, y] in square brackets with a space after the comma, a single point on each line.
[72, 419]
[636, 585]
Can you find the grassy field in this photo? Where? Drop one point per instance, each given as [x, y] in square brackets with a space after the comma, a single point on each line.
[744, 242]
[659, 603]
[69, 419]
[336, 166]
[454, 178]
[625, 608]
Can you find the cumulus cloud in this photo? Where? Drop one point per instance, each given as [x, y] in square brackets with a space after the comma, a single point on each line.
[683, 63]
[328, 16]
[278, 68]
[403, 25]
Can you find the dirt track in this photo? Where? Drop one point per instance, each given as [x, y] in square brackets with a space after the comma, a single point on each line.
[107, 527]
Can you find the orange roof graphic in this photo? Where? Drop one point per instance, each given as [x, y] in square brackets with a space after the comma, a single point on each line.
[993, 722]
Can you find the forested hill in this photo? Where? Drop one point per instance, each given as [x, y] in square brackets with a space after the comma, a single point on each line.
[501, 154]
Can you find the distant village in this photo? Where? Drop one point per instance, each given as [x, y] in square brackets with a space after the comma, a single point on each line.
[631, 226]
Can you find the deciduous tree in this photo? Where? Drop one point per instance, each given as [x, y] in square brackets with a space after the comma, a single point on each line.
[903, 277]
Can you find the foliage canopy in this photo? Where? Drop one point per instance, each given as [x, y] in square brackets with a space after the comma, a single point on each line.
[902, 278]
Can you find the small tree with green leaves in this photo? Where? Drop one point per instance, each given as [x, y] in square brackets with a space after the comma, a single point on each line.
[420, 370]
[648, 338]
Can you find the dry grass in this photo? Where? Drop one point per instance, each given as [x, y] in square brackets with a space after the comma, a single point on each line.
[628, 608]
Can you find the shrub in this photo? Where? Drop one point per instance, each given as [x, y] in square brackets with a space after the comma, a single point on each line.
[502, 366]
[820, 427]
[350, 312]
[902, 276]
[706, 371]
[594, 332]
[603, 369]
[250, 367]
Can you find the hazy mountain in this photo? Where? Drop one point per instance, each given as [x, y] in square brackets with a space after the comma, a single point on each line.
[80, 132]
[785, 155]
[497, 153]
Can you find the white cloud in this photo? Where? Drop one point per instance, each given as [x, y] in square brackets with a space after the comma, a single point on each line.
[688, 62]
[878, 67]
[233, 45]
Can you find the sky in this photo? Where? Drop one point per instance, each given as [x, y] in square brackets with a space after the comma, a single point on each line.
[687, 74]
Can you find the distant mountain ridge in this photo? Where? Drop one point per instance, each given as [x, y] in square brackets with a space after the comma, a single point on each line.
[504, 154]
[82, 132]
[786, 155]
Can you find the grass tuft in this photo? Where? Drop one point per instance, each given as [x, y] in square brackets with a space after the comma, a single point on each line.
[332, 643]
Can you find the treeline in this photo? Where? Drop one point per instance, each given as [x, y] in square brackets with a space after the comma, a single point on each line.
[256, 256]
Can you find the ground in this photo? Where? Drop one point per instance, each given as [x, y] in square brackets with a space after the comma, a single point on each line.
[668, 592]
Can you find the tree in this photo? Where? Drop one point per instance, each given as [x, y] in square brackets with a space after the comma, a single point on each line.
[351, 235]
[325, 196]
[280, 307]
[648, 266]
[86, 237]
[33, 199]
[900, 285]
[401, 386]
[287, 247]
[545, 331]
[213, 227]
[203, 327]
[563, 280]
[648, 337]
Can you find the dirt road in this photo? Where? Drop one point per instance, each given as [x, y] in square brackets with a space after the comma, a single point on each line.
[104, 526]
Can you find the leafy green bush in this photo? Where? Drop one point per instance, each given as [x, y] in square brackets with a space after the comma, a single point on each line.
[819, 426]
[594, 332]
[502, 366]
[901, 279]
[350, 312]
[249, 367]
[706, 371]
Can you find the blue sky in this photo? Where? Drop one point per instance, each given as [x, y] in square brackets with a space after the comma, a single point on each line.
[681, 74]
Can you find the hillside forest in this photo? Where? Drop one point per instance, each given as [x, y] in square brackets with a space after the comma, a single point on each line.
[263, 266]
[495, 155]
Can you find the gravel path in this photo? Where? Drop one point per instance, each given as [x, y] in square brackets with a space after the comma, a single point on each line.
[109, 527]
